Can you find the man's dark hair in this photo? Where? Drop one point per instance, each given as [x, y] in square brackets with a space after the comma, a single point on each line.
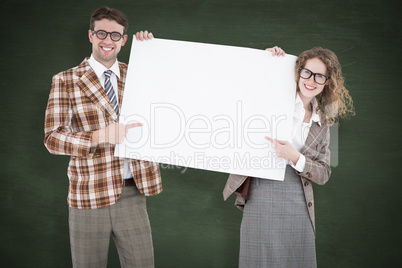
[110, 14]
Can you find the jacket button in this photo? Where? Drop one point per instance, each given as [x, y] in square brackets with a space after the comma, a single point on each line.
[309, 204]
[306, 183]
[308, 174]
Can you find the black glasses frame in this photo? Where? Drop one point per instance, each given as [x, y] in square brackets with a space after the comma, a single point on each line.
[311, 73]
[108, 33]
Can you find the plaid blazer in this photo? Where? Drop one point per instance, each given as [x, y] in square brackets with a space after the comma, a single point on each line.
[317, 169]
[77, 106]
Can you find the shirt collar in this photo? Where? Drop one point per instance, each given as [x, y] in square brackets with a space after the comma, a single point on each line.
[299, 109]
[99, 69]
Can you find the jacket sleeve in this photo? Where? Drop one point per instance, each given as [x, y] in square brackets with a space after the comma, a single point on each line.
[59, 137]
[317, 168]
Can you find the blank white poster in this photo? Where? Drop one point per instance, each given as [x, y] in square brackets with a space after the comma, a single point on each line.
[208, 106]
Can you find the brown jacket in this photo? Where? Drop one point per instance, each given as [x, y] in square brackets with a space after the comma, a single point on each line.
[77, 106]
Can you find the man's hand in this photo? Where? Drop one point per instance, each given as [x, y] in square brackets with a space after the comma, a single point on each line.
[113, 134]
[143, 35]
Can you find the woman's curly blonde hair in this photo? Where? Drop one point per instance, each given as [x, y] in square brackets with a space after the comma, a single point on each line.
[334, 101]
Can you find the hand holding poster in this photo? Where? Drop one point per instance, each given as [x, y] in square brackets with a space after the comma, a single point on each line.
[208, 106]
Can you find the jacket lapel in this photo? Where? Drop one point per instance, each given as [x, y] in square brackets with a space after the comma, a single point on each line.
[313, 137]
[90, 85]
[121, 83]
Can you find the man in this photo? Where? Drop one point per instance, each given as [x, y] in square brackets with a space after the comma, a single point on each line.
[106, 193]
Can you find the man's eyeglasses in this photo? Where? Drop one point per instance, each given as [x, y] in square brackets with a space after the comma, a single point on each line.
[101, 34]
[318, 78]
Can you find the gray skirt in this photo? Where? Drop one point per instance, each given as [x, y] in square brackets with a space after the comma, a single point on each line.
[276, 230]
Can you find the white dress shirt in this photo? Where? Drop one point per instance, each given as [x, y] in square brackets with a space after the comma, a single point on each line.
[99, 69]
[301, 129]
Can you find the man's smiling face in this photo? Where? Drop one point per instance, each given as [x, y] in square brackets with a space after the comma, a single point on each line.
[105, 51]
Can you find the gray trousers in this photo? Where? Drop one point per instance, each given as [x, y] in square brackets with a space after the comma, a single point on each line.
[127, 221]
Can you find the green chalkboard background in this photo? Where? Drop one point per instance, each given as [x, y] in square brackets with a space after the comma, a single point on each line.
[359, 219]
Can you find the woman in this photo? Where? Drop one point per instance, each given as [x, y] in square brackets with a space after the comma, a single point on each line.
[278, 227]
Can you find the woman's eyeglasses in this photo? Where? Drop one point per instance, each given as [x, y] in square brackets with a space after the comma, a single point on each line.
[318, 78]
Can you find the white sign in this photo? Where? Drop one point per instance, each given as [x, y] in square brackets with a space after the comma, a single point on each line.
[208, 106]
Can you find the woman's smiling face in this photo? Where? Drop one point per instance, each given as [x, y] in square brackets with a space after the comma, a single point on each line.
[308, 87]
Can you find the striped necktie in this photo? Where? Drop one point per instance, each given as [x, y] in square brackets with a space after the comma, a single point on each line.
[110, 91]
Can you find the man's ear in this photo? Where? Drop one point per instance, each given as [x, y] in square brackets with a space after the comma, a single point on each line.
[125, 37]
[90, 36]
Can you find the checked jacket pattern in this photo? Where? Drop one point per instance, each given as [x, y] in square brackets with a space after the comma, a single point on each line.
[77, 106]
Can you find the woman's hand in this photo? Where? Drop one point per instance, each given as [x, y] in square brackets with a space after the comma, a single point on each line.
[285, 150]
[276, 51]
[143, 35]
